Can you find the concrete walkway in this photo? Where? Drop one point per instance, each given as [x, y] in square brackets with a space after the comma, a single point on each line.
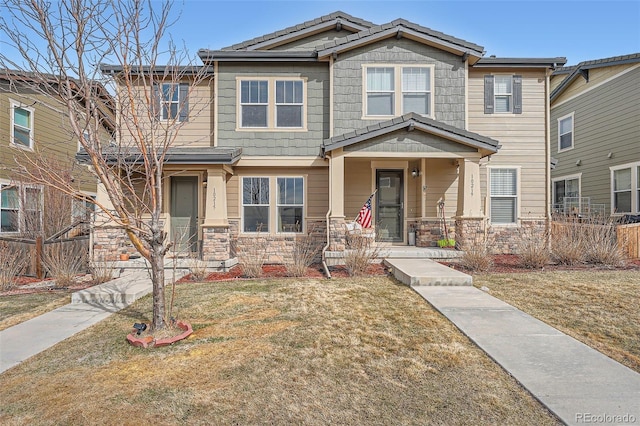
[575, 382]
[87, 308]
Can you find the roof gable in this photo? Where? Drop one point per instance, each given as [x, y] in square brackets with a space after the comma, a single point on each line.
[336, 20]
[402, 28]
[582, 69]
[411, 122]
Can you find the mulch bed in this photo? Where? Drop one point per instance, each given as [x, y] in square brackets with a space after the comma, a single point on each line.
[510, 263]
[280, 271]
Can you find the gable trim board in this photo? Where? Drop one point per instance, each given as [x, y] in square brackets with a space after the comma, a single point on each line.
[595, 86]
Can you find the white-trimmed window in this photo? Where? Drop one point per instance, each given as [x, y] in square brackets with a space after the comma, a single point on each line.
[625, 188]
[272, 103]
[173, 100]
[290, 208]
[255, 204]
[21, 126]
[392, 90]
[504, 195]
[9, 208]
[502, 94]
[565, 187]
[20, 208]
[565, 133]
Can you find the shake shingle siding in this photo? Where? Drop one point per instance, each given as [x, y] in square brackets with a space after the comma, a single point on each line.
[606, 120]
[269, 142]
[348, 81]
[313, 42]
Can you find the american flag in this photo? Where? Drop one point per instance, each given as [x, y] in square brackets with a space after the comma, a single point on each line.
[364, 217]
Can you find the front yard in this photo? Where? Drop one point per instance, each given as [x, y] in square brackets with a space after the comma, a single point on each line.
[281, 351]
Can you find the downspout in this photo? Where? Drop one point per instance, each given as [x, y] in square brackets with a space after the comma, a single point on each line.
[326, 247]
[548, 156]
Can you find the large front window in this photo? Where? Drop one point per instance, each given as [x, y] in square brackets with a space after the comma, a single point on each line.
[397, 90]
[255, 204]
[272, 103]
[504, 195]
[290, 204]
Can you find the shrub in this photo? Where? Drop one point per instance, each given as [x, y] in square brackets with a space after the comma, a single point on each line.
[253, 258]
[477, 256]
[63, 261]
[198, 268]
[13, 262]
[101, 271]
[360, 252]
[533, 248]
[567, 243]
[601, 245]
[306, 249]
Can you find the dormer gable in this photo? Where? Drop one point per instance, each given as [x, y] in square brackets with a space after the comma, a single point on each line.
[339, 22]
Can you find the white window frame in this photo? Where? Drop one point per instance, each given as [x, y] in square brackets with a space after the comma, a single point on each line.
[17, 105]
[271, 104]
[635, 187]
[10, 186]
[560, 120]
[497, 94]
[278, 205]
[274, 204]
[22, 208]
[517, 196]
[398, 92]
[285, 104]
[166, 103]
[577, 177]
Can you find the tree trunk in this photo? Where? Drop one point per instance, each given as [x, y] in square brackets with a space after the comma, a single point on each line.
[157, 278]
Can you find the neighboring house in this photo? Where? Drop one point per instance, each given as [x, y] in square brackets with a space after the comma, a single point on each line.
[595, 136]
[33, 126]
[307, 122]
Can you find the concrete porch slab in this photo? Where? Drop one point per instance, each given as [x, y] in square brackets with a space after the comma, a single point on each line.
[426, 272]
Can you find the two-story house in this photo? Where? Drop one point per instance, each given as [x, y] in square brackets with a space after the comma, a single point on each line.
[34, 128]
[595, 136]
[306, 122]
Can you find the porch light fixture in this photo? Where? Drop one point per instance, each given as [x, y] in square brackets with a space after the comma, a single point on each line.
[415, 172]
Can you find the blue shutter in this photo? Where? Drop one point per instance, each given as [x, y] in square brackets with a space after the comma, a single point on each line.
[489, 101]
[517, 94]
[183, 98]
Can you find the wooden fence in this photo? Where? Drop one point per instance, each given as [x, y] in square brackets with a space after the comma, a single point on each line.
[629, 239]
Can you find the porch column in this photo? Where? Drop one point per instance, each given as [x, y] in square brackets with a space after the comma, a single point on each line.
[216, 199]
[469, 200]
[216, 237]
[337, 183]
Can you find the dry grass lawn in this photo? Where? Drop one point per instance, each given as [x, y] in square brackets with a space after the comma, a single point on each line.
[18, 308]
[599, 308]
[344, 351]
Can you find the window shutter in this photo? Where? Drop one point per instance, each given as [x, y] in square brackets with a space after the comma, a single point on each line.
[517, 94]
[155, 102]
[488, 94]
[183, 96]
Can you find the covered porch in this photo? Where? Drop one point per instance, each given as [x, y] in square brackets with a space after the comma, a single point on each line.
[425, 176]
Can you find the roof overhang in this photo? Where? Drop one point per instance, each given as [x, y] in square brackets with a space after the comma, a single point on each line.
[492, 62]
[412, 122]
[158, 70]
[177, 155]
[256, 56]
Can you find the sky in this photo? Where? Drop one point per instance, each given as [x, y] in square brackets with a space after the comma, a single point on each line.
[579, 30]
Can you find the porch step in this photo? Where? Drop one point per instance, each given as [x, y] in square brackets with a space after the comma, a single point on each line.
[334, 258]
[426, 272]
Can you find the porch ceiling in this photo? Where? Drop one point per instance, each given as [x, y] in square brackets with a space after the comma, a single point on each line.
[411, 122]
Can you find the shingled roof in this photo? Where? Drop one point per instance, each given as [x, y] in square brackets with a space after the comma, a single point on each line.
[333, 19]
[582, 69]
[400, 27]
[412, 121]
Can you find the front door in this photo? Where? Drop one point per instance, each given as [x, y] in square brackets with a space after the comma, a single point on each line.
[390, 205]
[184, 213]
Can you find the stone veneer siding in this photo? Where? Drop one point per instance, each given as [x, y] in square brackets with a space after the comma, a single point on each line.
[428, 232]
[502, 239]
[109, 242]
[216, 243]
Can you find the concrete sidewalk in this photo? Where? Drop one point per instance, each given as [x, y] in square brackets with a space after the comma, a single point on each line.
[577, 383]
[87, 308]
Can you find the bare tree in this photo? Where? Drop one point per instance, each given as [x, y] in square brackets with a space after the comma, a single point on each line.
[63, 48]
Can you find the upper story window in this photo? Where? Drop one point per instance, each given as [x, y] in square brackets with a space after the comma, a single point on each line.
[260, 109]
[565, 133]
[22, 126]
[397, 90]
[503, 94]
[173, 101]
